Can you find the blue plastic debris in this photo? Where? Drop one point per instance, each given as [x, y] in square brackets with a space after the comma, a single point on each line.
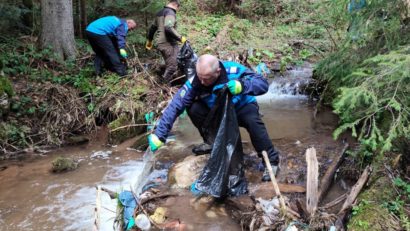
[128, 201]
[195, 191]
[262, 69]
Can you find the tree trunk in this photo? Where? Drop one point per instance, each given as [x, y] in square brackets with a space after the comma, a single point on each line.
[83, 12]
[57, 27]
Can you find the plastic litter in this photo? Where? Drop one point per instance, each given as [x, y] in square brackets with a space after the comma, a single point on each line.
[223, 175]
[128, 201]
[262, 69]
[187, 60]
[142, 222]
[101, 155]
[159, 215]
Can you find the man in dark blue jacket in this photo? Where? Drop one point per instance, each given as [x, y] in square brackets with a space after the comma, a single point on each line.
[198, 95]
[107, 38]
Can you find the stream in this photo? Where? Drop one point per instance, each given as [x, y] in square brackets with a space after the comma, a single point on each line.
[33, 198]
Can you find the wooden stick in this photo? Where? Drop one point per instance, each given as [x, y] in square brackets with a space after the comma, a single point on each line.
[274, 182]
[329, 175]
[158, 196]
[334, 202]
[129, 126]
[143, 210]
[312, 181]
[351, 198]
[356, 189]
[97, 210]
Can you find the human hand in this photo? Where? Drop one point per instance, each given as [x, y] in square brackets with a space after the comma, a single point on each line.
[154, 142]
[148, 45]
[183, 39]
[235, 87]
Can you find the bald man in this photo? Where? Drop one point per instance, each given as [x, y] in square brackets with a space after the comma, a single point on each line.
[107, 38]
[198, 96]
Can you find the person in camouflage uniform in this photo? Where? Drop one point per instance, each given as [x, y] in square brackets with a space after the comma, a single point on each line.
[166, 37]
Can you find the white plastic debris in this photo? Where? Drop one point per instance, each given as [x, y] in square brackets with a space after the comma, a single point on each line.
[101, 155]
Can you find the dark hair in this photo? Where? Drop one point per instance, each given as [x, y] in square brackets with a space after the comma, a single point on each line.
[175, 1]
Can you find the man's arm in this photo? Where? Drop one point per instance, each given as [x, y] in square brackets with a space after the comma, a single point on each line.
[169, 24]
[253, 83]
[151, 32]
[182, 99]
[121, 32]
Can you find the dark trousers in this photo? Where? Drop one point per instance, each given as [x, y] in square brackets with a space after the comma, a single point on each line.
[169, 52]
[248, 118]
[106, 54]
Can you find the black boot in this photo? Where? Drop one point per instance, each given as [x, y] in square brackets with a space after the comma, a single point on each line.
[266, 176]
[202, 149]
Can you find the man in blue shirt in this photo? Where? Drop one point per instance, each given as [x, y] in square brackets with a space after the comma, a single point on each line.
[107, 38]
[199, 94]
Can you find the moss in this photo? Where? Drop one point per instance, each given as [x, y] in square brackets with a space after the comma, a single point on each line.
[5, 86]
[122, 134]
[371, 212]
[61, 164]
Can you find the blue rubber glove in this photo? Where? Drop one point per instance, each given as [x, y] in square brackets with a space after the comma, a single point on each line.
[154, 142]
[123, 53]
[235, 87]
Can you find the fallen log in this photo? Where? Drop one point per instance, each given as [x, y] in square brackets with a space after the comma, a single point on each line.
[351, 198]
[327, 179]
[265, 189]
[312, 181]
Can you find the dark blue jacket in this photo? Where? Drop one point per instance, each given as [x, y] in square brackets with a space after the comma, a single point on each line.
[253, 84]
[111, 26]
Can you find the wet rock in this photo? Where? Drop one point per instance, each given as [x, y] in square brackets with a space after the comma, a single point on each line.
[61, 164]
[123, 132]
[183, 174]
[77, 140]
[210, 214]
[141, 144]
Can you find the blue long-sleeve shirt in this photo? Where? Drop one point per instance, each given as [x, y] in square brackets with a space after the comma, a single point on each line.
[111, 26]
[253, 84]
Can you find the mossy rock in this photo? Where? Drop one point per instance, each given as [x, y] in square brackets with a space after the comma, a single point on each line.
[122, 134]
[61, 164]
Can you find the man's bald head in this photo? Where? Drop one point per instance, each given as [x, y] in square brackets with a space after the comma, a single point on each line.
[131, 24]
[207, 69]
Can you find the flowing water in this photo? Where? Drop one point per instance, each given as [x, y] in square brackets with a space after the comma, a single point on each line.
[33, 198]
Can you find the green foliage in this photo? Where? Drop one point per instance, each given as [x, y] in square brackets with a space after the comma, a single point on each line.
[5, 86]
[368, 75]
[240, 30]
[257, 8]
[13, 134]
[375, 103]
[404, 186]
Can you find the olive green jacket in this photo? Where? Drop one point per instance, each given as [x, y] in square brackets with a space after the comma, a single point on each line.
[165, 24]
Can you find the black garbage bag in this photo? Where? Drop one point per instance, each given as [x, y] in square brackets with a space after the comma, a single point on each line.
[223, 175]
[186, 59]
